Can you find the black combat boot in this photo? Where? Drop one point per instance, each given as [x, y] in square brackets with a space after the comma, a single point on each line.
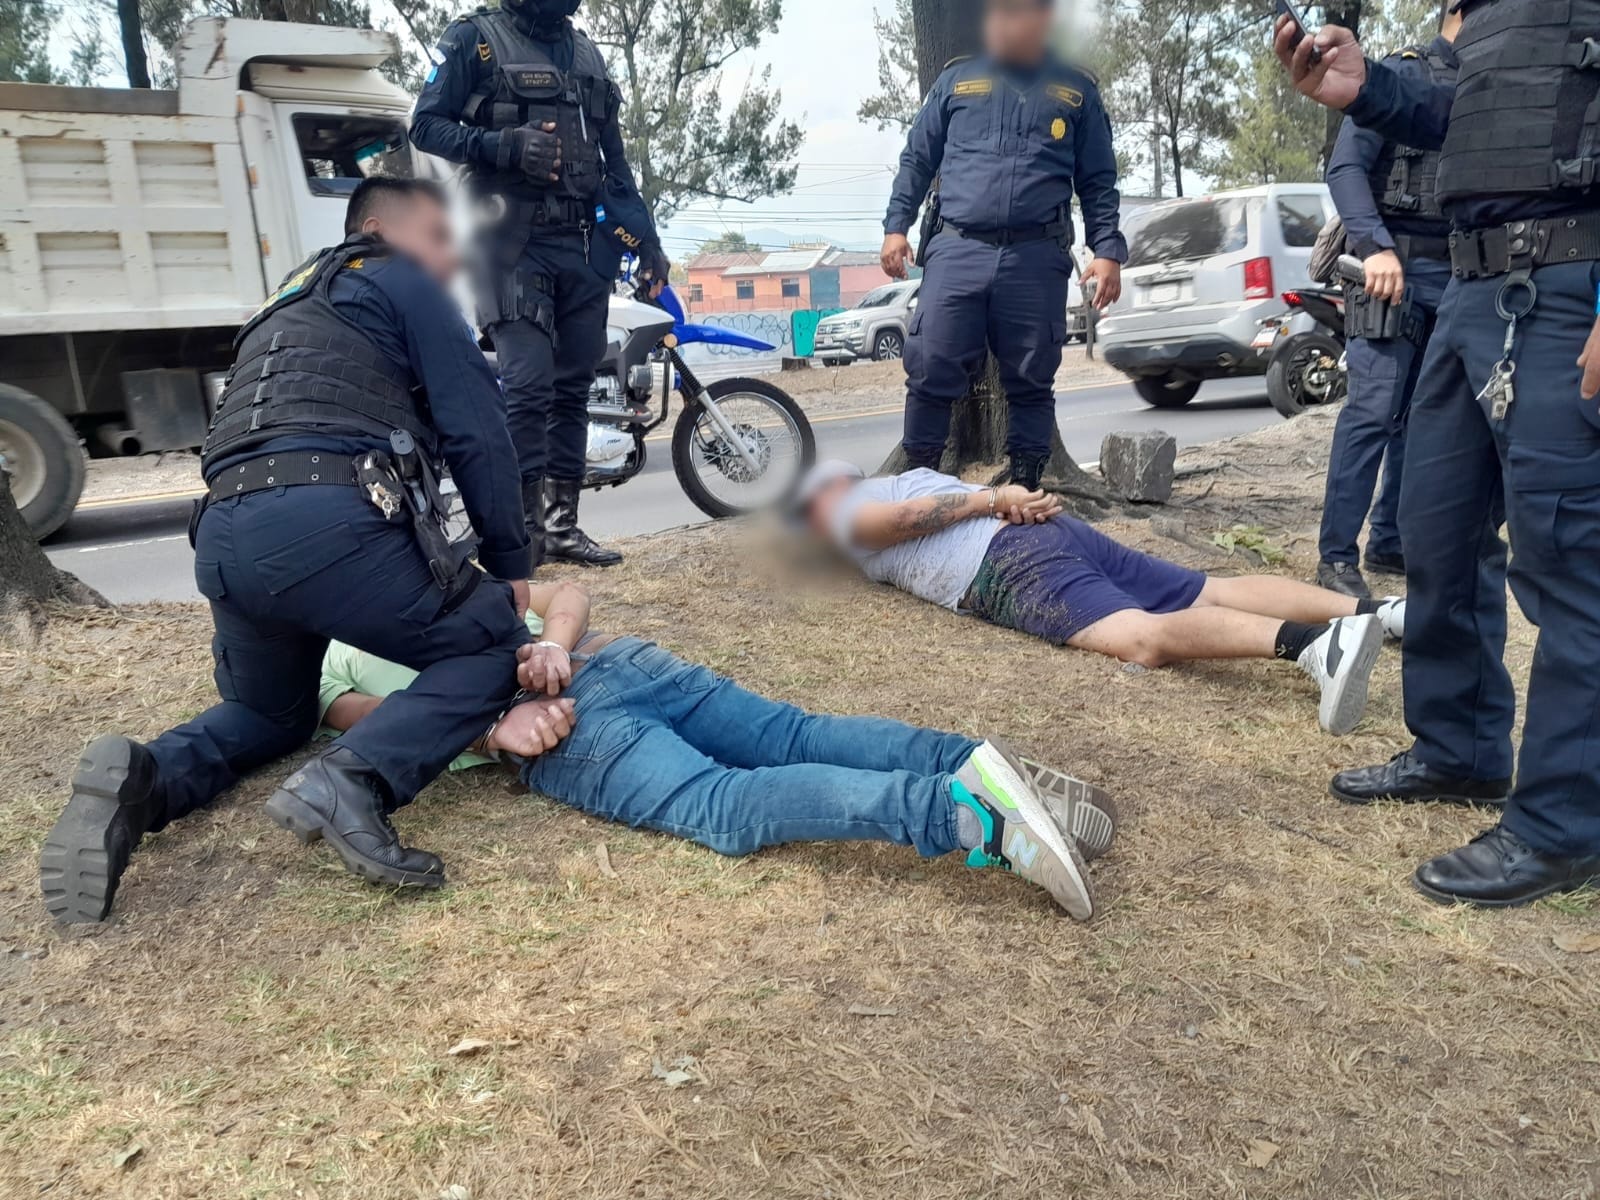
[563, 540]
[115, 802]
[533, 518]
[339, 798]
[1027, 470]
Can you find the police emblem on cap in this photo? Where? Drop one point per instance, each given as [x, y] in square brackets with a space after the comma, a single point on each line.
[1058, 129]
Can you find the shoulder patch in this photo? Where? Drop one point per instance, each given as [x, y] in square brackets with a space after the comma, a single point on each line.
[1069, 96]
[974, 87]
[1409, 54]
[355, 264]
[484, 53]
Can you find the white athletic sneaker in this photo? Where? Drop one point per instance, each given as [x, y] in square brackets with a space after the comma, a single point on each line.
[1392, 612]
[1019, 834]
[1341, 662]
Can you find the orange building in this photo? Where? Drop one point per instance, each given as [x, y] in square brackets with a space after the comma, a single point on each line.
[802, 277]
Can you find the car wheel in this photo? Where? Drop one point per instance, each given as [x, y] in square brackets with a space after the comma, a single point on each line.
[1166, 391]
[888, 346]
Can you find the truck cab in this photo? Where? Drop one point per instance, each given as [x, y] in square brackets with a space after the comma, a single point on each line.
[140, 228]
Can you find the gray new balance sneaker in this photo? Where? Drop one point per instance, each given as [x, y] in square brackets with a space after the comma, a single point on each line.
[1019, 834]
[1086, 812]
[1341, 662]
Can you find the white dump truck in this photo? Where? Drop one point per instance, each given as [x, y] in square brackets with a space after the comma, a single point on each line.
[139, 229]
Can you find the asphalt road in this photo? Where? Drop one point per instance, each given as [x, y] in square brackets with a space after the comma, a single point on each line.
[140, 552]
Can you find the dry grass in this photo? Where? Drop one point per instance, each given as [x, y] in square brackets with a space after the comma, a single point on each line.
[263, 1025]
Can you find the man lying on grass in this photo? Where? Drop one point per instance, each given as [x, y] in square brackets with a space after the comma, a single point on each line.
[1010, 556]
[626, 731]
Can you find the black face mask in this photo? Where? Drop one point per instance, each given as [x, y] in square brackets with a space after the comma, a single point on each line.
[546, 19]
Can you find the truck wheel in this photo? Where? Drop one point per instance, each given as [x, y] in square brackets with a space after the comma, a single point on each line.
[888, 346]
[45, 461]
[1166, 391]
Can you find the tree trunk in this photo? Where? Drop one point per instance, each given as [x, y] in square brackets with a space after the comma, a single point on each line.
[946, 29]
[28, 580]
[132, 26]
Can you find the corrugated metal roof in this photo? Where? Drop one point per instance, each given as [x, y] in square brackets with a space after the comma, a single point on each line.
[721, 261]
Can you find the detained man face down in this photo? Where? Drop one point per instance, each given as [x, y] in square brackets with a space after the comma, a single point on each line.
[1012, 557]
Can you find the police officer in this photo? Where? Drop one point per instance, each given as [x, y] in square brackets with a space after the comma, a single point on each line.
[1506, 409]
[353, 378]
[1386, 194]
[524, 100]
[1008, 136]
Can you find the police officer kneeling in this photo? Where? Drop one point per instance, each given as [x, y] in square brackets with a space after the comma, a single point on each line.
[524, 101]
[1504, 419]
[350, 383]
[1009, 135]
[1387, 195]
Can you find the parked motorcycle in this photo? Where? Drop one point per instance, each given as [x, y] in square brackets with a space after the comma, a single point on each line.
[1306, 368]
[739, 444]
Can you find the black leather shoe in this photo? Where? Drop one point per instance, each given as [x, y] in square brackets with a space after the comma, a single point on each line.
[114, 802]
[1027, 470]
[1405, 779]
[340, 799]
[1497, 869]
[1344, 578]
[533, 517]
[563, 540]
[1385, 564]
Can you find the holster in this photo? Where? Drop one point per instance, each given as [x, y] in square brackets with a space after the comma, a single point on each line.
[932, 222]
[450, 563]
[1382, 320]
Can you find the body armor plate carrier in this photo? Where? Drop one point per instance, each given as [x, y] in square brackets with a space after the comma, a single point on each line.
[302, 367]
[1404, 179]
[1526, 118]
[526, 86]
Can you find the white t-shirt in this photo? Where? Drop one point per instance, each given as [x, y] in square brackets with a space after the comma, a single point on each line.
[939, 567]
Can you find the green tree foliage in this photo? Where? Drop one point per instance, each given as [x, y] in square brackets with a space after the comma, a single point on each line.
[895, 104]
[1166, 63]
[1277, 134]
[731, 242]
[25, 36]
[684, 139]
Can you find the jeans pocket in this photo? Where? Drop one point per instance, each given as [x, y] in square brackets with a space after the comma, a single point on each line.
[599, 738]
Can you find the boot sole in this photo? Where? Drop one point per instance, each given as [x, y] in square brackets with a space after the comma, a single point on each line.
[1092, 816]
[1038, 818]
[74, 865]
[288, 811]
[1342, 712]
[580, 562]
[1436, 798]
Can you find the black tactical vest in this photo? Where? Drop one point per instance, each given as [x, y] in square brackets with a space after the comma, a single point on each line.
[527, 86]
[1404, 179]
[1526, 118]
[300, 366]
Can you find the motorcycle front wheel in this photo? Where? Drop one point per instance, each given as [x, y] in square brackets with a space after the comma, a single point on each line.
[1304, 372]
[752, 459]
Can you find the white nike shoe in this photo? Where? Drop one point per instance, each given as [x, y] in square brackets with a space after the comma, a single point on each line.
[1392, 612]
[1341, 662]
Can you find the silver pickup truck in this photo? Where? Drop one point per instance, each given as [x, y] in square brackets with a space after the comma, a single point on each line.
[874, 329]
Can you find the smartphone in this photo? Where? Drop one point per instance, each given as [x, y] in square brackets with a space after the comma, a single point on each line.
[1283, 8]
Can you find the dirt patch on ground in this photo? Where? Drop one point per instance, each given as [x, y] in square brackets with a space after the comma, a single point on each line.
[1265, 1008]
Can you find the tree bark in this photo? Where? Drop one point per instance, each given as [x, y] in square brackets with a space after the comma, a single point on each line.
[28, 580]
[132, 26]
[979, 421]
[1347, 14]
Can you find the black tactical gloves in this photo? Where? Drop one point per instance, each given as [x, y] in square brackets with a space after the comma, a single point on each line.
[534, 150]
[654, 265]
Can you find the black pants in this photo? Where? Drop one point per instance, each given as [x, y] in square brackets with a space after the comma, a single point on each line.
[549, 354]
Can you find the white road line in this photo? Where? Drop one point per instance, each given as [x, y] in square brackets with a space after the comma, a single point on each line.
[177, 537]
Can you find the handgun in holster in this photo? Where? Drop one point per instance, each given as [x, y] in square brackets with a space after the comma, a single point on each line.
[1382, 320]
[450, 563]
[932, 221]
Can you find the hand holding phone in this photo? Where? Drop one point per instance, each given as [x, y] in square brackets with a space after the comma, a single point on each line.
[1284, 9]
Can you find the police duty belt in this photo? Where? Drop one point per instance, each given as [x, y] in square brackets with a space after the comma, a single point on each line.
[1525, 245]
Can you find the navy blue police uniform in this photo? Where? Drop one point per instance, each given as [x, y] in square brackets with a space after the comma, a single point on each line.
[542, 278]
[296, 545]
[1386, 194]
[1498, 421]
[1006, 150]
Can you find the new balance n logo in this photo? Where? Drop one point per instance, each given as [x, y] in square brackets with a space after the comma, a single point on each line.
[1022, 850]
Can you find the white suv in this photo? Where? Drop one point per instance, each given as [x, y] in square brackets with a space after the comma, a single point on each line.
[1201, 276]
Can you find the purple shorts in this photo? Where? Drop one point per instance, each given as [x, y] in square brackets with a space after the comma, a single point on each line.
[1057, 579]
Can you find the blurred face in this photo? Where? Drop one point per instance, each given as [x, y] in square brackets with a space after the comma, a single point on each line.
[419, 227]
[1017, 31]
[819, 513]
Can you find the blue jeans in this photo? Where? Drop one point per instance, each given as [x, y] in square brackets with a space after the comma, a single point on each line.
[662, 744]
[1371, 431]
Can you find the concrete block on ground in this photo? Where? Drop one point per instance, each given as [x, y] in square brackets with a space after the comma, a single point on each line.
[1140, 466]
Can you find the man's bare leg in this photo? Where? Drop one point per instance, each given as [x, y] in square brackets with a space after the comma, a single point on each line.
[1160, 639]
[1275, 596]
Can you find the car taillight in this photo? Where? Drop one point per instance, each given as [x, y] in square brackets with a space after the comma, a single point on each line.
[1258, 279]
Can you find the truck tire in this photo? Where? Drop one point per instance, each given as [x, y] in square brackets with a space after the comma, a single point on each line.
[42, 453]
[888, 346]
[1166, 391]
